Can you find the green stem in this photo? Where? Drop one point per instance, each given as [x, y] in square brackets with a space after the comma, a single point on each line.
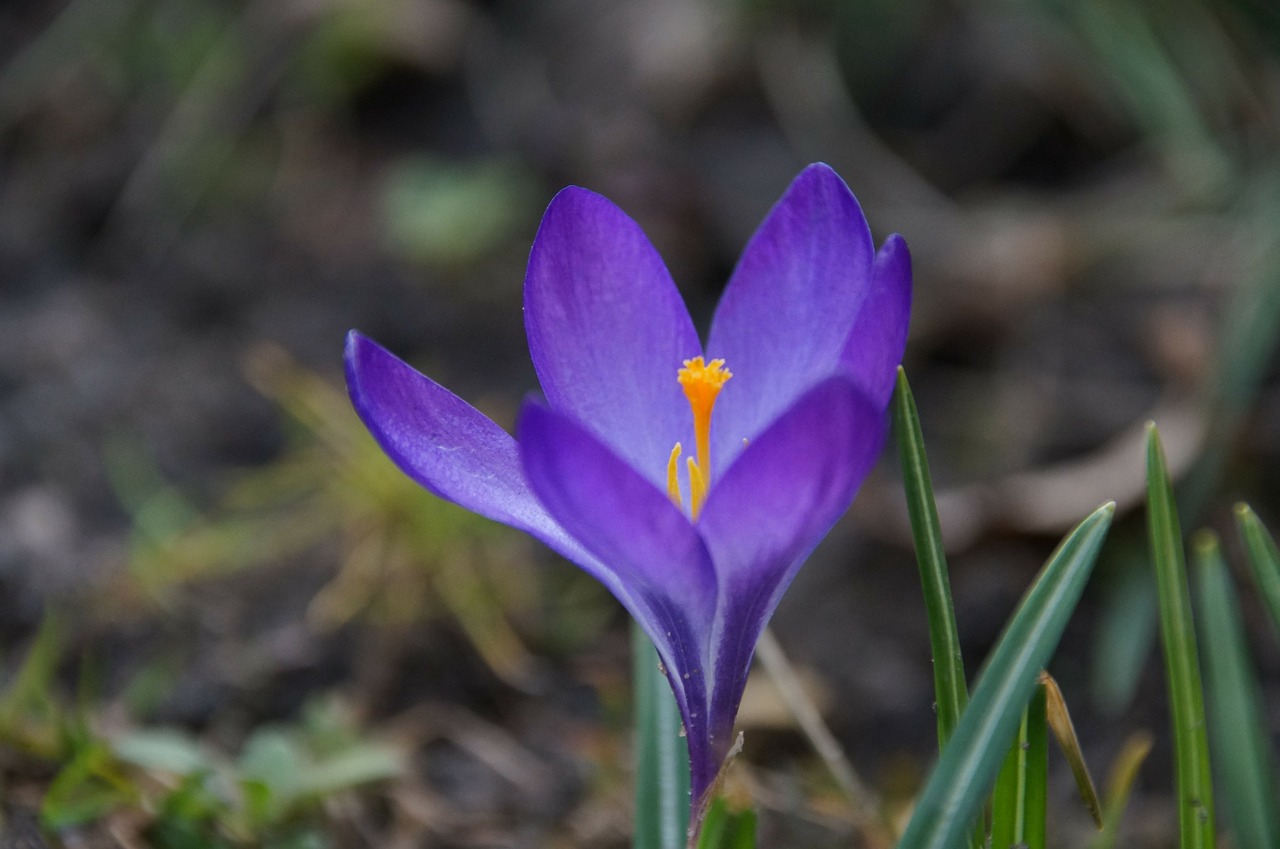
[662, 756]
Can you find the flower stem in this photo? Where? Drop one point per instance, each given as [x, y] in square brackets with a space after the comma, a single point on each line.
[662, 756]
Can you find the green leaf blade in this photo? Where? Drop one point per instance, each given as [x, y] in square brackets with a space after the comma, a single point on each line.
[1263, 557]
[951, 692]
[1182, 666]
[953, 797]
[1235, 717]
[726, 829]
[662, 756]
[1020, 800]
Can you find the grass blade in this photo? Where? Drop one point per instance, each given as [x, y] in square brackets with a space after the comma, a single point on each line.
[1020, 799]
[951, 693]
[1182, 666]
[1263, 557]
[28, 696]
[953, 798]
[1235, 718]
[1126, 627]
[662, 757]
[1120, 780]
[948, 666]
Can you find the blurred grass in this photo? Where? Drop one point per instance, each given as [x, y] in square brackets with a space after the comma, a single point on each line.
[447, 215]
[403, 554]
[1245, 767]
[1120, 785]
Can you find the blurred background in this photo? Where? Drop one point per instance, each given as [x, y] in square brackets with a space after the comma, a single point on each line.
[207, 569]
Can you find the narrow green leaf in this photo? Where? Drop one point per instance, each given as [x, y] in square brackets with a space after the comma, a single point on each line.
[87, 787]
[744, 832]
[30, 690]
[1120, 780]
[1125, 632]
[662, 756]
[1235, 702]
[1263, 557]
[948, 665]
[715, 825]
[726, 829]
[1182, 665]
[954, 795]
[1020, 798]
[951, 693]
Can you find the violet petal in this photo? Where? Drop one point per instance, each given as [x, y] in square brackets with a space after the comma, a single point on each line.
[613, 511]
[770, 508]
[879, 336]
[448, 446]
[624, 521]
[786, 313]
[608, 330]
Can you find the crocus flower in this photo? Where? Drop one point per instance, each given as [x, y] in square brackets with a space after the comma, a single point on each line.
[798, 370]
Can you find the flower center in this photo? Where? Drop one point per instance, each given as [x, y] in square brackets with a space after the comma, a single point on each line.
[701, 382]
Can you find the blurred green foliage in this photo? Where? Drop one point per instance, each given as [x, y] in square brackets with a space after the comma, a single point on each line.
[270, 794]
[404, 555]
[449, 215]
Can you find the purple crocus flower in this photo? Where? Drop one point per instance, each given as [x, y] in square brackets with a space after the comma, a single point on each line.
[806, 340]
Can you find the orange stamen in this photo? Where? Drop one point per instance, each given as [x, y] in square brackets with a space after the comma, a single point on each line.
[702, 383]
[673, 476]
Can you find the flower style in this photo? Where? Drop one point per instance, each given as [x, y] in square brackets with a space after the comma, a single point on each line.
[806, 340]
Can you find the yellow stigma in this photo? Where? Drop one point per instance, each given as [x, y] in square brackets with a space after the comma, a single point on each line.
[673, 476]
[701, 382]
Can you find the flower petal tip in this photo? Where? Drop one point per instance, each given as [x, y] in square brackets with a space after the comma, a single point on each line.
[576, 200]
[356, 356]
[819, 171]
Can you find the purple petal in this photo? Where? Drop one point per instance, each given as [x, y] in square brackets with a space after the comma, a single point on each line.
[786, 314]
[448, 446]
[879, 336]
[627, 523]
[771, 507]
[614, 512]
[457, 453]
[608, 330]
